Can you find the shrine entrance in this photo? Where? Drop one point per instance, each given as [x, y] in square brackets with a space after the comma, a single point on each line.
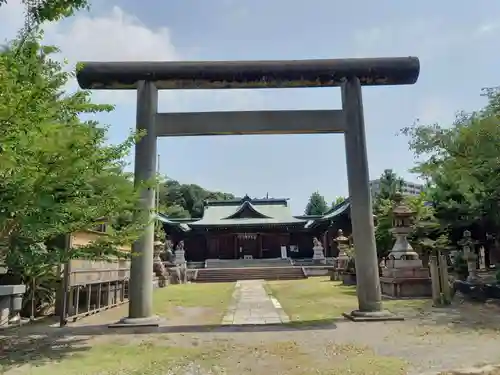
[348, 74]
[247, 246]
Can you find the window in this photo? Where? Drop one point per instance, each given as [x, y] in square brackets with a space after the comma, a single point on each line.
[101, 228]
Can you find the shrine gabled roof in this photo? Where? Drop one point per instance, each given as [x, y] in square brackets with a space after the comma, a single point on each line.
[334, 212]
[246, 211]
[179, 224]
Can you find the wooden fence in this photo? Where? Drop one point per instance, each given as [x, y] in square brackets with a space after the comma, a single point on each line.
[91, 287]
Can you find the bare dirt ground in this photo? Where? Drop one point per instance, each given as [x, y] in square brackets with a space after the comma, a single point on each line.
[426, 342]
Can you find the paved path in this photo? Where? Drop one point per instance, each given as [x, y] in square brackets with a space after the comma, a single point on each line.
[252, 305]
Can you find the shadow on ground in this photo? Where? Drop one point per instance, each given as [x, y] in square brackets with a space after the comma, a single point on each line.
[36, 350]
[104, 329]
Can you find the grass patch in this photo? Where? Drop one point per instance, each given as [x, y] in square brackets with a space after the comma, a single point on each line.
[145, 358]
[158, 355]
[319, 299]
[214, 298]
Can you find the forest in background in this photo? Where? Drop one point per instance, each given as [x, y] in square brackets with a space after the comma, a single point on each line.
[182, 201]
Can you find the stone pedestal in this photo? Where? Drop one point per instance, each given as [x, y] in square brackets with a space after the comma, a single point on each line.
[471, 259]
[405, 278]
[318, 255]
[180, 257]
[348, 278]
[179, 274]
[11, 297]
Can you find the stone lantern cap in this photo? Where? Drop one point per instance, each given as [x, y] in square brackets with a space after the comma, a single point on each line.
[401, 210]
[340, 237]
[467, 239]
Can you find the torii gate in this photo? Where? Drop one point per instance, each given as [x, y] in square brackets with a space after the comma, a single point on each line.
[349, 74]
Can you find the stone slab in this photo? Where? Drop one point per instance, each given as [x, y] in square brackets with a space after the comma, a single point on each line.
[385, 318]
[252, 305]
[8, 290]
[152, 321]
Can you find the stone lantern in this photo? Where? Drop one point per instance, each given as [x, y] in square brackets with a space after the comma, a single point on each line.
[404, 274]
[402, 225]
[340, 263]
[159, 269]
[343, 245]
[470, 256]
[158, 248]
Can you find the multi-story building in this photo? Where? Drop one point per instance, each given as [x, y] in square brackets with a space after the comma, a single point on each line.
[407, 188]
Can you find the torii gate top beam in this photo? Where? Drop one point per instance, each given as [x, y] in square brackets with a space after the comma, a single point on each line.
[248, 74]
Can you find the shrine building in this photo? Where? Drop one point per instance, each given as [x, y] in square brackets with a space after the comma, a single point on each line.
[249, 228]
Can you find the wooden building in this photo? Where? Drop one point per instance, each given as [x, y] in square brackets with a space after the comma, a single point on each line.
[256, 229]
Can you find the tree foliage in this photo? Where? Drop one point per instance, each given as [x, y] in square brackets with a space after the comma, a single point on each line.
[390, 183]
[338, 201]
[317, 205]
[461, 163]
[39, 11]
[57, 173]
[186, 200]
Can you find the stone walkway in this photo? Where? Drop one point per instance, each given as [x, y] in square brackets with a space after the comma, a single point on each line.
[252, 305]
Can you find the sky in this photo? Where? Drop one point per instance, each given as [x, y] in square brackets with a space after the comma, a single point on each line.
[455, 42]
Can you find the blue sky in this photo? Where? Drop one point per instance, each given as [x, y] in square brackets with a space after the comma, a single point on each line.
[456, 42]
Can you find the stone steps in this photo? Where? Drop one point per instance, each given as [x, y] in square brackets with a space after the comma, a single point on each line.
[211, 275]
[244, 263]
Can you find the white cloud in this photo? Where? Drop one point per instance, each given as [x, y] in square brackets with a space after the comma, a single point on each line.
[487, 28]
[118, 36]
[112, 37]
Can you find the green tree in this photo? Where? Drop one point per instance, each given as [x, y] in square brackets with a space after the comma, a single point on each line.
[38, 11]
[317, 205]
[57, 173]
[390, 183]
[187, 200]
[338, 201]
[461, 164]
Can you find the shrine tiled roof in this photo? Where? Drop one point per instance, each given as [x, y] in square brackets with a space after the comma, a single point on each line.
[335, 211]
[253, 212]
[182, 225]
[247, 211]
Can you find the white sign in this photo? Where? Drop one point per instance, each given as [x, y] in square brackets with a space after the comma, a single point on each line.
[284, 254]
